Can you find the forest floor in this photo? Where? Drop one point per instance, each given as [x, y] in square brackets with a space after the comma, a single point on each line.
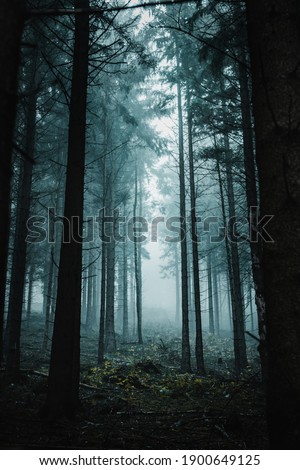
[138, 399]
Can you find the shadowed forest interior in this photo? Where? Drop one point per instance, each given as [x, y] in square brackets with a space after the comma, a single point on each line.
[150, 224]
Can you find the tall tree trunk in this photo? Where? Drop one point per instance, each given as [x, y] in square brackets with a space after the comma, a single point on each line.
[137, 266]
[63, 384]
[210, 296]
[102, 305]
[49, 301]
[84, 291]
[216, 299]
[110, 336]
[229, 303]
[273, 27]
[11, 26]
[102, 321]
[195, 251]
[30, 291]
[253, 211]
[238, 311]
[251, 309]
[186, 350]
[89, 281]
[94, 302]
[177, 286]
[18, 272]
[233, 275]
[133, 298]
[125, 288]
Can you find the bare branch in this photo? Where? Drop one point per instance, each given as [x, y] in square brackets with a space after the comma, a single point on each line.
[100, 11]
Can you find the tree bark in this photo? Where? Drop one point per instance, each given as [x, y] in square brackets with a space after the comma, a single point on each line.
[273, 27]
[125, 288]
[216, 299]
[18, 271]
[30, 291]
[186, 350]
[11, 27]
[49, 300]
[89, 282]
[236, 295]
[137, 266]
[63, 384]
[177, 287]
[210, 296]
[233, 275]
[102, 306]
[253, 212]
[195, 251]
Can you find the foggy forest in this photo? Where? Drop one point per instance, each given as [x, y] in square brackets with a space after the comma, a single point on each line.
[149, 224]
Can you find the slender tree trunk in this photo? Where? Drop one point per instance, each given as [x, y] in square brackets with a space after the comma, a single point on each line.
[102, 320]
[229, 303]
[11, 26]
[216, 300]
[251, 309]
[238, 311]
[89, 281]
[133, 298]
[102, 305]
[94, 303]
[49, 300]
[110, 336]
[137, 265]
[30, 290]
[177, 286]
[186, 350]
[233, 274]
[63, 384]
[210, 296]
[273, 27]
[18, 272]
[84, 290]
[195, 251]
[125, 288]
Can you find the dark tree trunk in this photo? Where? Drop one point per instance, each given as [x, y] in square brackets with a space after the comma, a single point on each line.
[236, 294]
[275, 50]
[186, 350]
[234, 277]
[18, 271]
[95, 296]
[102, 306]
[177, 286]
[49, 301]
[110, 336]
[125, 288]
[210, 296]
[30, 291]
[253, 212]
[133, 298]
[251, 309]
[195, 251]
[216, 299]
[11, 26]
[63, 384]
[84, 298]
[89, 282]
[137, 266]
[101, 340]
